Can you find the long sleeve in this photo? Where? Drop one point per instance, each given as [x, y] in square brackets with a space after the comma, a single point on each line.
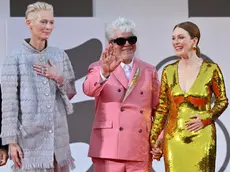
[161, 111]
[93, 85]
[1, 146]
[1, 114]
[155, 89]
[10, 103]
[221, 100]
[68, 86]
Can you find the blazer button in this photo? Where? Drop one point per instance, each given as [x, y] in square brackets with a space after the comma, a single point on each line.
[119, 90]
[120, 128]
[141, 111]
[141, 92]
[122, 110]
[95, 83]
[140, 131]
[47, 94]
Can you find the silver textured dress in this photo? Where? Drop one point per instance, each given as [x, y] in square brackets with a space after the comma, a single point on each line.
[34, 108]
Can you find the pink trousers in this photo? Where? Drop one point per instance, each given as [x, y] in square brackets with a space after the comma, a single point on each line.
[111, 165]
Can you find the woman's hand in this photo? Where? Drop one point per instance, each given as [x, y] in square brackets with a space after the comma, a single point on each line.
[195, 124]
[3, 156]
[48, 71]
[16, 154]
[157, 150]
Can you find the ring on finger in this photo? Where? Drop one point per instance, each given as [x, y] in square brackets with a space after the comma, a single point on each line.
[45, 70]
[42, 70]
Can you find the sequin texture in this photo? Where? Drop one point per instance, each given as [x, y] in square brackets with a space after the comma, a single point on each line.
[186, 151]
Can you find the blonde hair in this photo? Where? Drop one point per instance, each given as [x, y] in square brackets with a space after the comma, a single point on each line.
[37, 7]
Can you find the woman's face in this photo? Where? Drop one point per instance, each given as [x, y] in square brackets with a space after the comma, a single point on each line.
[182, 42]
[41, 25]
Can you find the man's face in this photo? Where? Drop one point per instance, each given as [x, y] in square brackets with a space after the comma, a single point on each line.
[126, 51]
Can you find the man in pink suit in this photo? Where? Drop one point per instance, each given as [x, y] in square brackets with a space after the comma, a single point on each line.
[126, 93]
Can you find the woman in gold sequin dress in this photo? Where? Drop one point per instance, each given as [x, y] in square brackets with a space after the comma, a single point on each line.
[187, 87]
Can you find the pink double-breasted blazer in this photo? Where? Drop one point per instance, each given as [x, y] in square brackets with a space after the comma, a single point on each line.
[123, 111]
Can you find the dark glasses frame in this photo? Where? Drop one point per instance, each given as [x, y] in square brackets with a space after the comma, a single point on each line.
[122, 41]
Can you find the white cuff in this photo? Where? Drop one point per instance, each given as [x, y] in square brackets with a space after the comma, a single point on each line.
[102, 77]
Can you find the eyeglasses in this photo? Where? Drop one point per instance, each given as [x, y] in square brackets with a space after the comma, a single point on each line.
[122, 41]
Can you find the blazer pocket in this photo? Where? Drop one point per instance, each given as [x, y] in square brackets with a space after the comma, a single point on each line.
[103, 124]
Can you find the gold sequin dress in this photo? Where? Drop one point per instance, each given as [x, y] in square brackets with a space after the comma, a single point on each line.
[186, 151]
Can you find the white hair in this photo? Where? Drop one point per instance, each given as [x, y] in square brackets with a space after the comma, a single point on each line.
[120, 24]
[37, 7]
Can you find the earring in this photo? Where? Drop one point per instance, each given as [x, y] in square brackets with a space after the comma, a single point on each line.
[194, 48]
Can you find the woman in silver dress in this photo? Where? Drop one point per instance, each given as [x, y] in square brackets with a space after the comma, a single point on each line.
[37, 84]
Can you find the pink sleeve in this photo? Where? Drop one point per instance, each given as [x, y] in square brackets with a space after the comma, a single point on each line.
[93, 84]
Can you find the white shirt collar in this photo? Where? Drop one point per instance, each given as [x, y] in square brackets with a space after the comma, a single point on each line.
[130, 64]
